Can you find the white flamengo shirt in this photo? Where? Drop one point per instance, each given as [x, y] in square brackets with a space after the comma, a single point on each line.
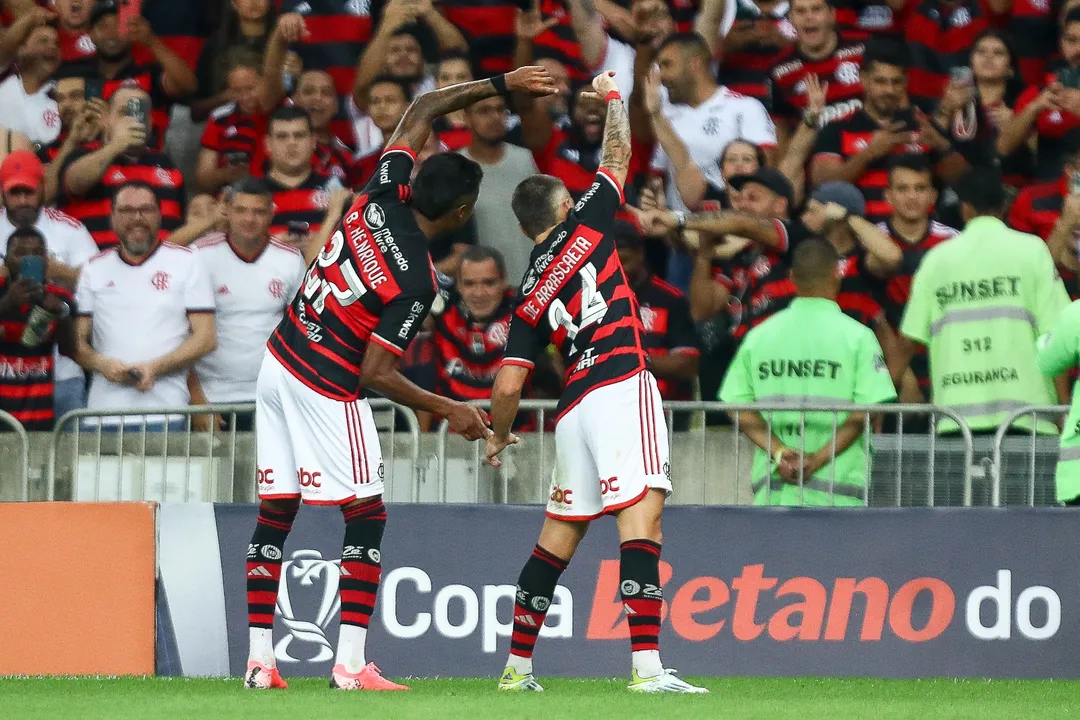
[707, 129]
[251, 295]
[35, 115]
[67, 240]
[140, 312]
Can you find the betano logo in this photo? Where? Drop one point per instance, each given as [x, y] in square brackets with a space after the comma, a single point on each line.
[752, 606]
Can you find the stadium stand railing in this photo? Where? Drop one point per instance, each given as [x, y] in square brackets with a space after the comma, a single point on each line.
[911, 466]
[1024, 461]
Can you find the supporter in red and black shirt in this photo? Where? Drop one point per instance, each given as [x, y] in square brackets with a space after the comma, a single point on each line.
[670, 340]
[80, 124]
[328, 35]
[451, 129]
[36, 320]
[316, 94]
[387, 101]
[301, 195]
[1033, 29]
[912, 196]
[939, 34]
[183, 26]
[1051, 210]
[166, 79]
[860, 20]
[1050, 111]
[818, 50]
[74, 27]
[233, 134]
[92, 174]
[857, 149]
[489, 27]
[760, 36]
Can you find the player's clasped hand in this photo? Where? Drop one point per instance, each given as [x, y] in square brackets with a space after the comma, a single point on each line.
[496, 446]
[531, 79]
[468, 421]
[602, 84]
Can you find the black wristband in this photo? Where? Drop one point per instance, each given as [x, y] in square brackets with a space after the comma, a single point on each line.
[499, 81]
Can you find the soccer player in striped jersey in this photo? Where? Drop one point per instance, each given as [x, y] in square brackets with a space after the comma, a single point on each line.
[610, 433]
[361, 304]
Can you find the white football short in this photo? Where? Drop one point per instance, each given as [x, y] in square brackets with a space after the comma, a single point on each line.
[610, 450]
[310, 446]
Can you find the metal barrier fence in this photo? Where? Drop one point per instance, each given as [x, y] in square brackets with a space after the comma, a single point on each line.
[8, 423]
[1038, 451]
[717, 458]
[161, 455]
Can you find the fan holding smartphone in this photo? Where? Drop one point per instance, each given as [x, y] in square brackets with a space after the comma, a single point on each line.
[36, 320]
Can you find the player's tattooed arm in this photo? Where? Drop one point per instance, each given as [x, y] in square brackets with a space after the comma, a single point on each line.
[615, 152]
[733, 222]
[415, 125]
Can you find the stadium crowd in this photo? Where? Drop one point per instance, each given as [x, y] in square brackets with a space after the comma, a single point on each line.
[234, 128]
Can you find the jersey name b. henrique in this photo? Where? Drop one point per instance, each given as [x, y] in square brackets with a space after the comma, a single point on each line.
[372, 282]
[575, 296]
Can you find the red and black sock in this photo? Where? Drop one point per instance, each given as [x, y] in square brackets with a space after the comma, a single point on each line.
[264, 564]
[361, 561]
[535, 588]
[639, 583]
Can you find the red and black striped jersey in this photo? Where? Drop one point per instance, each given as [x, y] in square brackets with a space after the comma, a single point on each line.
[748, 70]
[848, 137]
[939, 37]
[182, 26]
[146, 76]
[468, 353]
[1033, 29]
[75, 45]
[575, 296]
[305, 203]
[575, 162]
[488, 25]
[230, 131]
[684, 13]
[452, 137]
[859, 20]
[897, 288]
[338, 31]
[841, 70]
[1037, 210]
[669, 329]
[26, 373]
[93, 209]
[755, 275]
[560, 42]
[372, 282]
[333, 158]
[1054, 128]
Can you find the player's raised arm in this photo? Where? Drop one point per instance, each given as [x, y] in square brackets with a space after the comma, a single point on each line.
[415, 125]
[615, 153]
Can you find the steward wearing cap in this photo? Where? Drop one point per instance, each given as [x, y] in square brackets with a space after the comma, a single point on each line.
[978, 302]
[671, 341]
[811, 352]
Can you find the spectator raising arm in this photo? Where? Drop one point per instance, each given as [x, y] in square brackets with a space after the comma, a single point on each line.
[536, 125]
[829, 167]
[764, 231]
[1062, 240]
[707, 24]
[12, 38]
[883, 256]
[801, 143]
[588, 26]
[446, 34]
[415, 126]
[708, 298]
[177, 79]
[1017, 131]
[290, 28]
[398, 14]
[85, 128]
[689, 179]
[86, 172]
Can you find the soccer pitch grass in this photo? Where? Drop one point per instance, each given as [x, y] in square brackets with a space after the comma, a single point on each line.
[774, 699]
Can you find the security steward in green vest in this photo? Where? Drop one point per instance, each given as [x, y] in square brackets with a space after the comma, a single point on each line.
[1059, 352]
[809, 353]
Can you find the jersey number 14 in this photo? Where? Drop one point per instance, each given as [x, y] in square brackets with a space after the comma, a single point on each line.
[593, 307]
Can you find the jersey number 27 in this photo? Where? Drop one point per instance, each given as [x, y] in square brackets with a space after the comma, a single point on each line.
[593, 307]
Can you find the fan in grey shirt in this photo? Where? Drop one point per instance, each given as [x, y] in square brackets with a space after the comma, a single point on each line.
[504, 167]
